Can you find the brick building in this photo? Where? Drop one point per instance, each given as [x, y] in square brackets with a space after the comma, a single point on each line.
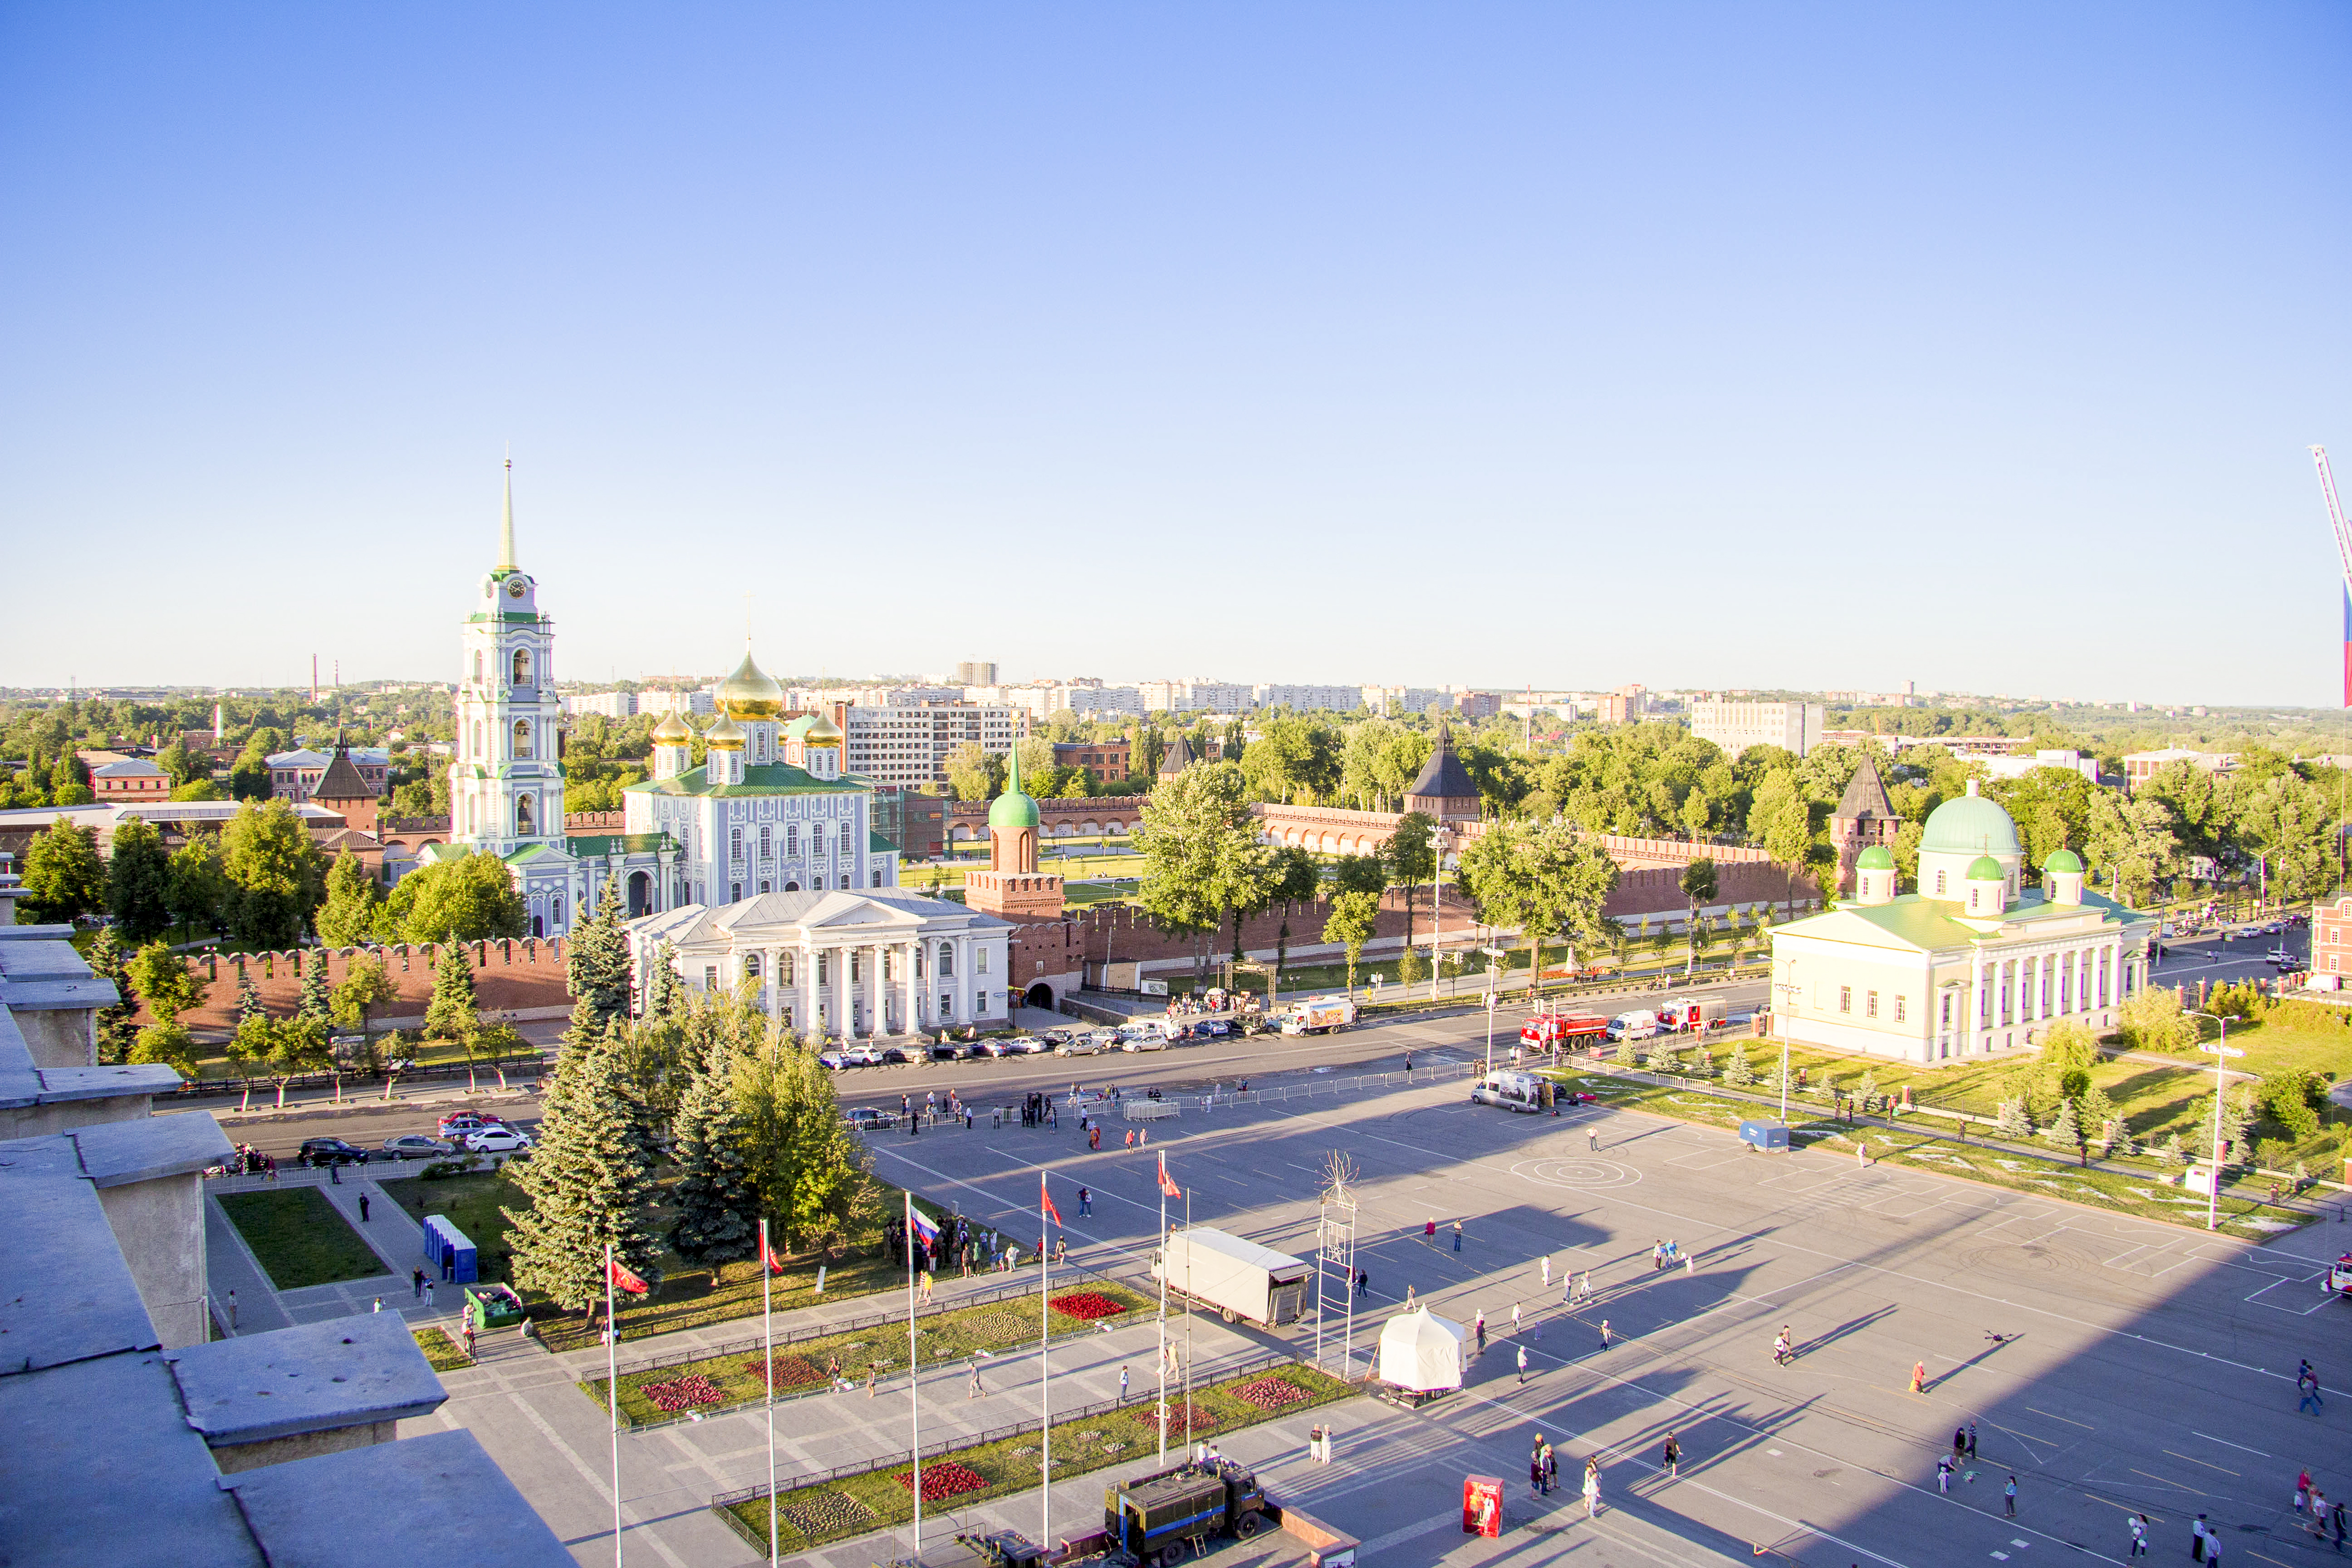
[132, 779]
[1105, 761]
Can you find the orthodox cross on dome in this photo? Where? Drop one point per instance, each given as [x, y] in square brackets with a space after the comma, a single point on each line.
[506, 521]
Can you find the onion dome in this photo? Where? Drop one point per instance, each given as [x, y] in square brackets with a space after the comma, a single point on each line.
[1969, 822]
[1985, 868]
[821, 731]
[2065, 861]
[673, 730]
[1877, 858]
[750, 694]
[1013, 809]
[724, 736]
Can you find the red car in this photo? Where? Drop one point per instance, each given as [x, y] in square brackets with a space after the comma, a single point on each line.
[459, 1122]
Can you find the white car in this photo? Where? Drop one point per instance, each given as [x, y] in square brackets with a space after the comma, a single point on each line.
[1145, 1043]
[1023, 1046]
[1080, 1045]
[497, 1140]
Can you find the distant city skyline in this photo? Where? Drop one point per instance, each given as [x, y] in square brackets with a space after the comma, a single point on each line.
[1824, 350]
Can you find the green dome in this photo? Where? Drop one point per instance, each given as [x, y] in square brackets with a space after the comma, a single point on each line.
[2064, 861]
[1877, 858]
[1969, 823]
[1985, 868]
[1012, 809]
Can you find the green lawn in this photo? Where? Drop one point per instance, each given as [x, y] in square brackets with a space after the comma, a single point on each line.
[300, 1238]
[441, 1350]
[879, 1500]
[952, 1335]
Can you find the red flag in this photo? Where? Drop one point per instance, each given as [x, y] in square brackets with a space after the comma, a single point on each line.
[627, 1280]
[1046, 1199]
[775, 1264]
[1166, 1186]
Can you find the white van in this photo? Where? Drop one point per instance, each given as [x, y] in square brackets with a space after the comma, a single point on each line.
[1631, 1027]
[1511, 1090]
[1143, 1034]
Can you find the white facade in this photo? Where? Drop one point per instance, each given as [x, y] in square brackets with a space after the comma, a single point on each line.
[908, 743]
[653, 702]
[1736, 726]
[1397, 700]
[611, 704]
[1195, 694]
[846, 964]
[1310, 698]
[1094, 699]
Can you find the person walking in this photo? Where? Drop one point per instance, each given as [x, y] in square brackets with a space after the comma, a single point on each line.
[1122, 1385]
[1670, 1460]
[1551, 1469]
[1085, 1202]
[1657, 1255]
[469, 1331]
[1429, 1228]
[1690, 1265]
[1515, 1320]
[1093, 1138]
[1959, 1440]
[1593, 1138]
[1479, 1327]
[2199, 1534]
[2336, 1522]
[2009, 1497]
[1408, 1066]
[1972, 1440]
[1547, 1271]
[416, 1283]
[1535, 1469]
[1943, 1474]
[379, 1305]
[1523, 1366]
[1591, 1487]
[2306, 1384]
[1918, 1377]
[1604, 1334]
[1584, 1285]
[1408, 1298]
[2302, 1490]
[2138, 1523]
[1457, 1236]
[2318, 1525]
[977, 1391]
[1781, 1352]
[926, 1291]
[364, 1208]
[1131, 1138]
[1363, 1283]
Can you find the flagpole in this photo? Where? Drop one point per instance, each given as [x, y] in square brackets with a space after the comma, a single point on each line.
[1188, 1322]
[613, 1397]
[1163, 1309]
[768, 1348]
[1044, 1373]
[914, 1395]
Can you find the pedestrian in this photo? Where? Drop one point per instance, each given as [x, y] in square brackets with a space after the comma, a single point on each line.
[469, 1339]
[1535, 1469]
[1943, 1474]
[1960, 1439]
[1584, 1285]
[873, 1370]
[1591, 1487]
[1972, 1439]
[1457, 1236]
[1657, 1255]
[1918, 1377]
[2198, 1535]
[2302, 1490]
[2138, 1523]
[1408, 1298]
[335, 1173]
[1094, 1139]
[428, 1295]
[976, 1390]
[1122, 1385]
[1604, 1334]
[379, 1305]
[1363, 1283]
[1523, 1366]
[926, 1280]
[1514, 1319]
[232, 1311]
[1429, 1230]
[1085, 1202]
[363, 1207]
[2336, 1522]
[1593, 1138]
[416, 1282]
[1408, 1066]
[1129, 1142]
[1689, 1266]
[1547, 1271]
[2009, 1497]
[1670, 1458]
[1551, 1469]
[1143, 1138]
[2307, 1383]
[2318, 1525]
[1782, 1353]
[1479, 1326]
[2213, 1548]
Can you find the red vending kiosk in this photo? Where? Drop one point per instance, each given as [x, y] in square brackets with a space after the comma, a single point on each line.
[1482, 1506]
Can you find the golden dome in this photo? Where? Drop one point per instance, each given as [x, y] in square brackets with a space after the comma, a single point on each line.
[822, 733]
[724, 736]
[672, 731]
[750, 694]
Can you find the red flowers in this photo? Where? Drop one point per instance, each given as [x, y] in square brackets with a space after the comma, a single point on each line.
[945, 1479]
[1085, 1306]
[684, 1393]
[1270, 1393]
[790, 1370]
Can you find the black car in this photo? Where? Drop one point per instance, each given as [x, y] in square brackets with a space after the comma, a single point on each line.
[949, 1051]
[901, 1054]
[331, 1152]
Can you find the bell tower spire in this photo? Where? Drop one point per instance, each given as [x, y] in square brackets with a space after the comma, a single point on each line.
[506, 522]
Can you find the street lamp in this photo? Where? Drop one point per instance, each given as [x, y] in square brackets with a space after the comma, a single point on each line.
[1788, 991]
[2220, 1053]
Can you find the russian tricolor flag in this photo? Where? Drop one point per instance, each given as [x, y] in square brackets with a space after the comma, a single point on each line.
[925, 1226]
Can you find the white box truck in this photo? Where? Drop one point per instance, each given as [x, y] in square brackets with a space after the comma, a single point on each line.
[1236, 1276]
[1320, 1016]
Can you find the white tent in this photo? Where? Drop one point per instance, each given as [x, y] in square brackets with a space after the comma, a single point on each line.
[1421, 1352]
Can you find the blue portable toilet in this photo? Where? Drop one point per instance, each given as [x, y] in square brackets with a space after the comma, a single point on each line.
[1770, 1136]
[447, 1254]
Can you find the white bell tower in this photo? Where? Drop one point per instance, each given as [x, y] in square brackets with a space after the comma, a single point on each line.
[505, 786]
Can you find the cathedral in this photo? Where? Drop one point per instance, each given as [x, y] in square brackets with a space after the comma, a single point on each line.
[761, 866]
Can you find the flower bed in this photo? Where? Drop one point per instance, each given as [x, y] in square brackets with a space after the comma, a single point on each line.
[790, 1372]
[944, 1478]
[685, 1393]
[1086, 1305]
[822, 1512]
[1201, 1421]
[1270, 1394]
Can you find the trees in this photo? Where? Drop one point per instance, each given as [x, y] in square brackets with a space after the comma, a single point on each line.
[1201, 853]
[365, 985]
[64, 878]
[808, 1172]
[590, 1183]
[139, 881]
[199, 887]
[713, 1193]
[2130, 838]
[2066, 1131]
[1350, 925]
[167, 1042]
[297, 1045]
[166, 980]
[597, 967]
[1698, 891]
[469, 897]
[112, 1025]
[347, 917]
[274, 875]
[1410, 856]
[974, 774]
[449, 1013]
[662, 988]
[1547, 879]
[312, 1003]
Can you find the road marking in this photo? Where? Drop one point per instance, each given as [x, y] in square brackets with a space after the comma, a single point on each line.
[2164, 1480]
[2227, 1444]
[2085, 1425]
[2203, 1462]
[2002, 1556]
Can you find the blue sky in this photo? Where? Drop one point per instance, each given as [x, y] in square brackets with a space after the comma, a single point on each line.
[1822, 346]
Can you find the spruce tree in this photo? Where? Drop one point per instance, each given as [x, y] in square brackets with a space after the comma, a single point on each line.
[713, 1193]
[598, 964]
[590, 1183]
[662, 989]
[1736, 1073]
[2066, 1131]
[116, 1033]
[450, 1012]
[2011, 1123]
[315, 1005]
[248, 999]
[2172, 1153]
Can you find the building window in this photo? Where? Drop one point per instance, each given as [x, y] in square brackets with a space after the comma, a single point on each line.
[877, 878]
[947, 962]
[1948, 1009]
[1939, 884]
[523, 817]
[1845, 998]
[1972, 896]
[1898, 1009]
[751, 967]
[555, 910]
[816, 838]
[522, 739]
[980, 962]
[710, 977]
[734, 892]
[1870, 1004]
[793, 839]
[763, 885]
[816, 884]
[734, 843]
[947, 1005]
[824, 969]
[767, 841]
[522, 666]
[785, 966]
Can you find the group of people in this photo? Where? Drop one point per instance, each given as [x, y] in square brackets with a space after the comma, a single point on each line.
[1543, 1473]
[249, 1161]
[2319, 1515]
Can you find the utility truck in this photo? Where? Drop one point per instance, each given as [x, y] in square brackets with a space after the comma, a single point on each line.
[1161, 1519]
[1236, 1276]
[1320, 1016]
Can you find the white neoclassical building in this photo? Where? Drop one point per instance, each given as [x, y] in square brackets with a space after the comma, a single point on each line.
[1973, 962]
[864, 961]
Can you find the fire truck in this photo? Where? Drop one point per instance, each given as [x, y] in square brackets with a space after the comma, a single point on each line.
[1561, 1031]
[2338, 1277]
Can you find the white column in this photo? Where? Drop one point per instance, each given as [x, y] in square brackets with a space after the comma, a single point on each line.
[910, 1015]
[1971, 1025]
[2041, 986]
[804, 981]
[963, 979]
[876, 1022]
[839, 958]
[771, 981]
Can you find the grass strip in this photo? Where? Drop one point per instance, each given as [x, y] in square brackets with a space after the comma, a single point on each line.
[879, 1349]
[878, 1499]
[2145, 1198]
[441, 1350]
[298, 1237]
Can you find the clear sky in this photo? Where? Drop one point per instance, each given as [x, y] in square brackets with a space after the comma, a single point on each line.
[1703, 344]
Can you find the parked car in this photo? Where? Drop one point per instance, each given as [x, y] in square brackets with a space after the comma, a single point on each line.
[839, 1061]
[457, 1123]
[331, 1152]
[2283, 958]
[994, 1048]
[1212, 1028]
[1023, 1046]
[896, 1055]
[948, 1052]
[497, 1140]
[1080, 1045]
[863, 1056]
[870, 1118]
[1152, 1042]
[1057, 1036]
[418, 1146]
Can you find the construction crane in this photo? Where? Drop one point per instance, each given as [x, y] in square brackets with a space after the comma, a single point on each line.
[2344, 553]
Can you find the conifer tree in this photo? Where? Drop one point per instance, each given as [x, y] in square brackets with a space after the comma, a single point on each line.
[2066, 1131]
[2011, 1121]
[713, 1194]
[116, 1033]
[597, 967]
[314, 1005]
[450, 1012]
[590, 1182]
[2172, 1153]
[248, 999]
[662, 989]
[808, 1172]
[1736, 1073]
